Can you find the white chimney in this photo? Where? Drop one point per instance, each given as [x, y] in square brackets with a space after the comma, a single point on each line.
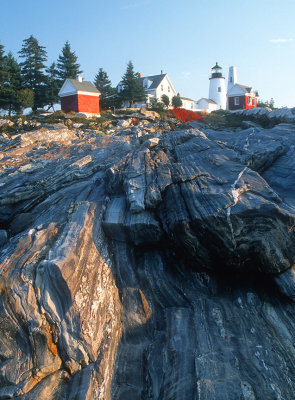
[80, 78]
[232, 78]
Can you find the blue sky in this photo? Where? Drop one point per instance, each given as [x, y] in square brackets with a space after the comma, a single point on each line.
[182, 38]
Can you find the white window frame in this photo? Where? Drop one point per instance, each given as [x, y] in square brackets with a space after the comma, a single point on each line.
[236, 101]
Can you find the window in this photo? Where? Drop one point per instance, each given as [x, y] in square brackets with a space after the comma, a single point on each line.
[169, 89]
[231, 79]
[219, 89]
[237, 101]
[162, 88]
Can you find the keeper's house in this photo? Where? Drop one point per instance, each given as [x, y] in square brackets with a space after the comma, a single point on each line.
[79, 96]
[239, 96]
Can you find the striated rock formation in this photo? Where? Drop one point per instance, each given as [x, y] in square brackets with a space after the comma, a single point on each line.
[139, 266]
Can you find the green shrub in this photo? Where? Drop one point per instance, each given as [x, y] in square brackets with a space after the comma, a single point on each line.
[157, 106]
[57, 116]
[217, 119]
[9, 130]
[124, 112]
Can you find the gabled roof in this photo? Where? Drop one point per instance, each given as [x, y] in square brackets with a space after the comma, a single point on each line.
[84, 86]
[186, 98]
[239, 90]
[155, 82]
[72, 87]
[155, 79]
[208, 100]
[247, 89]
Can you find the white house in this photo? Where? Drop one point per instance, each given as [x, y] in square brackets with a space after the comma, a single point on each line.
[239, 96]
[188, 104]
[207, 104]
[155, 86]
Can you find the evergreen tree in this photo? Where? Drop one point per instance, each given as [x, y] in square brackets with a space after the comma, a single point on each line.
[52, 85]
[67, 65]
[176, 101]
[132, 88]
[2, 65]
[25, 98]
[2, 75]
[108, 94]
[33, 69]
[11, 86]
[268, 103]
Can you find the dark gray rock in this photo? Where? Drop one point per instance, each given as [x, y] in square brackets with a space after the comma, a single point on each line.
[20, 222]
[135, 271]
[3, 237]
[286, 283]
[120, 224]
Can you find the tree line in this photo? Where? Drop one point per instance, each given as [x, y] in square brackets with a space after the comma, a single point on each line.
[30, 83]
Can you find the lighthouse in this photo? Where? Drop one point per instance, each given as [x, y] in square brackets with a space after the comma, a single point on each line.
[217, 91]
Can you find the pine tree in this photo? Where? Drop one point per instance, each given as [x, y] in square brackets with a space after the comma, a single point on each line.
[132, 87]
[3, 76]
[33, 69]
[52, 85]
[25, 98]
[11, 86]
[67, 65]
[103, 84]
[2, 65]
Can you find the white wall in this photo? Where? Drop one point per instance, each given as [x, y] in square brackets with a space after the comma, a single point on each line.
[188, 104]
[236, 91]
[214, 94]
[67, 89]
[203, 104]
[232, 78]
[159, 92]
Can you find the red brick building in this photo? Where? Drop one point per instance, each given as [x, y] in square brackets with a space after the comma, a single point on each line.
[239, 96]
[79, 96]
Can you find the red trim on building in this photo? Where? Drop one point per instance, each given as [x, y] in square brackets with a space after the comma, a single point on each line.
[243, 102]
[251, 102]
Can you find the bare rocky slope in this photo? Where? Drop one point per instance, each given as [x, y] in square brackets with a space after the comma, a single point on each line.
[144, 265]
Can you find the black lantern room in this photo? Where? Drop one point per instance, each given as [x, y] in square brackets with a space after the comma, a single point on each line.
[216, 71]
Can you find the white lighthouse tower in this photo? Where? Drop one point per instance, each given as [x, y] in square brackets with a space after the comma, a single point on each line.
[217, 90]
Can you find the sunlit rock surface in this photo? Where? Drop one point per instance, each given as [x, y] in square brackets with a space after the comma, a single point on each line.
[155, 266]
